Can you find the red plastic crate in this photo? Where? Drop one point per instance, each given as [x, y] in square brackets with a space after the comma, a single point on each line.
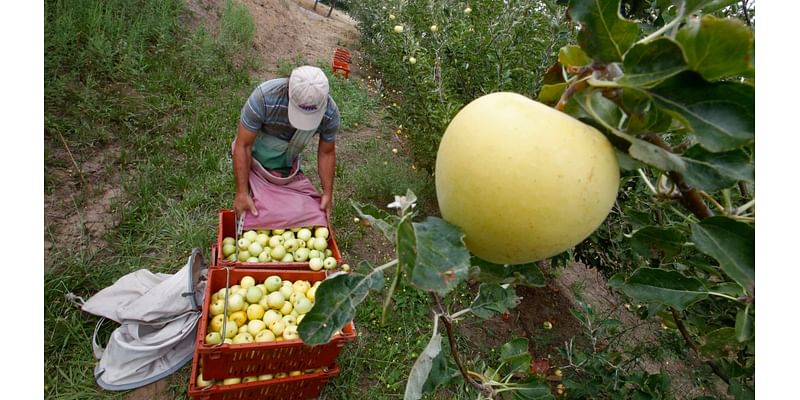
[302, 387]
[227, 227]
[225, 360]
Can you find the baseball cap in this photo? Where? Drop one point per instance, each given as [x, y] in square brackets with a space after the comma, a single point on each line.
[308, 97]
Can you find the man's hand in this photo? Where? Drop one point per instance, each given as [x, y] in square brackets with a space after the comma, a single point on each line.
[243, 202]
[326, 204]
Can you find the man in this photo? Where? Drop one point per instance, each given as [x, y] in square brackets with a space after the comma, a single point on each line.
[276, 123]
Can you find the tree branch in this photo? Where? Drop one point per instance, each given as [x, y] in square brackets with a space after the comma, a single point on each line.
[448, 325]
[682, 328]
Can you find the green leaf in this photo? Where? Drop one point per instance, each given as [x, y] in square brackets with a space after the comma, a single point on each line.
[707, 6]
[336, 302]
[493, 300]
[515, 354]
[442, 258]
[422, 368]
[550, 94]
[665, 287]
[642, 114]
[745, 325]
[721, 115]
[626, 163]
[648, 64]
[732, 244]
[406, 241]
[717, 48]
[381, 220]
[521, 274]
[532, 389]
[573, 56]
[605, 35]
[443, 372]
[741, 391]
[656, 242]
[712, 171]
[719, 343]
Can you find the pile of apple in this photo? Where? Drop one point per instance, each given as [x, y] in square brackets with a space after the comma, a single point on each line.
[201, 383]
[308, 244]
[259, 312]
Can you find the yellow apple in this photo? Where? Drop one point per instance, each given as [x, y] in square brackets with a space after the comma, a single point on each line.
[271, 316]
[238, 317]
[265, 336]
[231, 329]
[232, 381]
[216, 322]
[201, 383]
[248, 281]
[522, 180]
[255, 326]
[255, 311]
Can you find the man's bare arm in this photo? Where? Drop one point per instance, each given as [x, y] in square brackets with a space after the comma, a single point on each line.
[242, 155]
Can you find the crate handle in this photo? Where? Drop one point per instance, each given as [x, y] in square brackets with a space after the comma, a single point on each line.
[225, 307]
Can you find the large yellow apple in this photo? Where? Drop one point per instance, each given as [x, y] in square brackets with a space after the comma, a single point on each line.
[522, 180]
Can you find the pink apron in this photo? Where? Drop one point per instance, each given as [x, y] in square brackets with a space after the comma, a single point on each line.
[283, 203]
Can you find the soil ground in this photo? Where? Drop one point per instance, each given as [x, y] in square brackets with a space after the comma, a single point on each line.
[291, 29]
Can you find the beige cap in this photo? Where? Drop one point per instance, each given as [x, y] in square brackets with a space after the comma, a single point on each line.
[308, 97]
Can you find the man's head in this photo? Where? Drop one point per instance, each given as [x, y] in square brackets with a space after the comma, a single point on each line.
[308, 97]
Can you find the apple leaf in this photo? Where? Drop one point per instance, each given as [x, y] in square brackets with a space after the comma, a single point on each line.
[550, 94]
[443, 372]
[712, 171]
[719, 343]
[406, 244]
[717, 48]
[707, 6]
[574, 56]
[422, 368]
[648, 64]
[442, 259]
[515, 354]
[604, 35]
[377, 218]
[657, 242]
[532, 389]
[721, 114]
[336, 301]
[494, 299]
[732, 244]
[522, 274]
[745, 325]
[664, 287]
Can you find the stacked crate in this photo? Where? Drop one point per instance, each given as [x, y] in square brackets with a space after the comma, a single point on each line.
[218, 362]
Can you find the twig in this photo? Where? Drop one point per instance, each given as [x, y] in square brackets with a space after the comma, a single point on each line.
[682, 328]
[448, 325]
[75, 163]
[690, 197]
[576, 86]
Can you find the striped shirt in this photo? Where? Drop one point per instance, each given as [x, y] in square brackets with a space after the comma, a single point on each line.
[266, 112]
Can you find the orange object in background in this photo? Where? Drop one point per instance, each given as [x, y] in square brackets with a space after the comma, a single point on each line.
[341, 62]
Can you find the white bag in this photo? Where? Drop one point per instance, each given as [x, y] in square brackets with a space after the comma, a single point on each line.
[158, 316]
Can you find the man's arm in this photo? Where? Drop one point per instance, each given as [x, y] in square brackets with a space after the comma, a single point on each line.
[242, 155]
[326, 164]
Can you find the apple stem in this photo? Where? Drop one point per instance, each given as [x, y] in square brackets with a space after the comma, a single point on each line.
[448, 325]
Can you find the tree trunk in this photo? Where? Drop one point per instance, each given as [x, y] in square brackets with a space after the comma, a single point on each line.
[333, 5]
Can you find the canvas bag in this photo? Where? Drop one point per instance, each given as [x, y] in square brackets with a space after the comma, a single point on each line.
[158, 315]
[283, 202]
